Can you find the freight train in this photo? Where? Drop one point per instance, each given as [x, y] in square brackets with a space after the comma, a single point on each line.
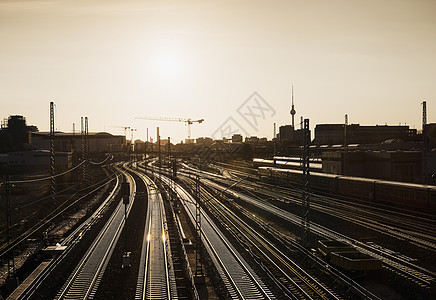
[395, 194]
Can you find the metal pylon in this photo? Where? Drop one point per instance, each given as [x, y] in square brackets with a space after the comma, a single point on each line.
[52, 155]
[306, 193]
[9, 229]
[88, 175]
[198, 258]
[82, 139]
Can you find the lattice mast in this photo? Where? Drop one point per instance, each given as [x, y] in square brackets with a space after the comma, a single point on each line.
[9, 229]
[83, 146]
[198, 258]
[306, 184]
[52, 154]
[88, 175]
[424, 142]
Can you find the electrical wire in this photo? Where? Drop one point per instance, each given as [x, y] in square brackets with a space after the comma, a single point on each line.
[57, 175]
[45, 178]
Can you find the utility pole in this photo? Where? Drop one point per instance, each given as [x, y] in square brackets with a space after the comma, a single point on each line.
[9, 230]
[344, 160]
[88, 175]
[83, 146]
[345, 132]
[275, 141]
[306, 193]
[158, 146]
[169, 151]
[125, 188]
[174, 163]
[52, 155]
[199, 275]
[424, 142]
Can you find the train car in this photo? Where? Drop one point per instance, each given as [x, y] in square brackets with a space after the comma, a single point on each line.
[319, 181]
[356, 187]
[288, 175]
[396, 194]
[406, 195]
[324, 182]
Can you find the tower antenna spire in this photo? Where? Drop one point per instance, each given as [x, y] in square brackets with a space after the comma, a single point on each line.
[292, 108]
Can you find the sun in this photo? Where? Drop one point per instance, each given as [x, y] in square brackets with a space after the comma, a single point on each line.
[167, 65]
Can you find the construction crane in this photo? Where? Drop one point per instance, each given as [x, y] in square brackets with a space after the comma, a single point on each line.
[189, 122]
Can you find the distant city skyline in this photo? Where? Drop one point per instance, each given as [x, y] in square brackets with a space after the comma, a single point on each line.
[113, 61]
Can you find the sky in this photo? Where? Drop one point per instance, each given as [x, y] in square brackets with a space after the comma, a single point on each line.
[231, 63]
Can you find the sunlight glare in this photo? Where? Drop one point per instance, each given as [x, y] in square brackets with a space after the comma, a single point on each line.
[168, 65]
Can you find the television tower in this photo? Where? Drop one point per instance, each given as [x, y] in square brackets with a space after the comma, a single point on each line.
[292, 108]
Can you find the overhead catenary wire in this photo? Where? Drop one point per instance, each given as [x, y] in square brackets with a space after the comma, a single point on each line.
[57, 175]
[48, 218]
[45, 178]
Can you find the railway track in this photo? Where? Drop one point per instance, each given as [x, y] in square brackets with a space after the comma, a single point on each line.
[417, 230]
[418, 274]
[296, 283]
[156, 278]
[27, 290]
[397, 225]
[240, 280]
[84, 280]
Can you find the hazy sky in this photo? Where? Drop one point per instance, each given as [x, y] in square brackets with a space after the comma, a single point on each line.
[116, 60]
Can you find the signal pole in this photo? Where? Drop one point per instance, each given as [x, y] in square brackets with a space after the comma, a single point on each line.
[88, 175]
[83, 146]
[9, 229]
[125, 189]
[424, 142]
[306, 194]
[169, 151]
[52, 155]
[275, 141]
[199, 275]
[158, 146]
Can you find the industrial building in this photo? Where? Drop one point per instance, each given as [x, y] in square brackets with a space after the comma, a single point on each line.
[70, 142]
[405, 166]
[237, 138]
[287, 134]
[36, 158]
[332, 134]
[15, 133]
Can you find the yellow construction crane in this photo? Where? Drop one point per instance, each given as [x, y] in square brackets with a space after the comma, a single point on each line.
[189, 122]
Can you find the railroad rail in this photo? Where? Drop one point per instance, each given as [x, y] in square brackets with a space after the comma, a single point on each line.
[422, 276]
[156, 278]
[84, 280]
[418, 231]
[296, 282]
[240, 280]
[31, 284]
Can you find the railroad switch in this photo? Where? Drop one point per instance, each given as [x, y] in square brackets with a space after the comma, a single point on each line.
[126, 260]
